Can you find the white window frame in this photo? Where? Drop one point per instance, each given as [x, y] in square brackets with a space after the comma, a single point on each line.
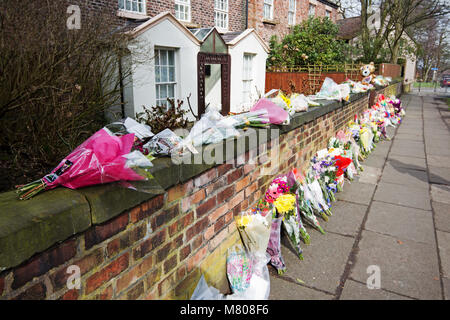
[268, 10]
[169, 82]
[221, 8]
[186, 15]
[313, 7]
[292, 12]
[247, 77]
[125, 3]
[328, 13]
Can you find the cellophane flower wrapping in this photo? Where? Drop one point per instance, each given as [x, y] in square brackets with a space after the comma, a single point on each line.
[274, 246]
[254, 229]
[239, 269]
[211, 128]
[277, 115]
[103, 158]
[257, 118]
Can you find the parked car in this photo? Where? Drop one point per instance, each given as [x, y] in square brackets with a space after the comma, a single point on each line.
[445, 82]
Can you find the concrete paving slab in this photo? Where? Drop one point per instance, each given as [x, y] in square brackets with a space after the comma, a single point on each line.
[408, 148]
[346, 219]
[382, 149]
[370, 175]
[405, 130]
[441, 215]
[446, 282]
[437, 151]
[439, 175]
[401, 222]
[438, 143]
[373, 160]
[357, 192]
[415, 136]
[324, 261]
[443, 239]
[281, 289]
[438, 161]
[407, 162]
[408, 196]
[406, 267]
[393, 173]
[357, 291]
[440, 193]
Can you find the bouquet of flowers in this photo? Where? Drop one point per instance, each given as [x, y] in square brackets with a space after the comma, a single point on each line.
[104, 157]
[278, 188]
[286, 206]
[257, 118]
[254, 229]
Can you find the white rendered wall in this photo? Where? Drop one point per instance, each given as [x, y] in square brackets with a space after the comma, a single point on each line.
[162, 35]
[249, 44]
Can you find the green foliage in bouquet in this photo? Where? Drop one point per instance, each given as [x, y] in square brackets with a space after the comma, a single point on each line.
[311, 42]
[162, 117]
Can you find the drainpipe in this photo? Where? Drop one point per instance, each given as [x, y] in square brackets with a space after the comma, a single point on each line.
[246, 15]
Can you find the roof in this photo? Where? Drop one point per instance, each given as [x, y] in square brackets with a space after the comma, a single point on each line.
[201, 33]
[229, 36]
[137, 28]
[233, 38]
[349, 28]
[329, 3]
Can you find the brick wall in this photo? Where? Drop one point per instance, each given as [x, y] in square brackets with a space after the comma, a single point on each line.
[159, 249]
[202, 11]
[279, 26]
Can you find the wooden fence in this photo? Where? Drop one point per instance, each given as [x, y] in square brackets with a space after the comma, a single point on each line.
[309, 79]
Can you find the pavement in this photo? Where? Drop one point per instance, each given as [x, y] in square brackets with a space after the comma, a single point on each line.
[389, 236]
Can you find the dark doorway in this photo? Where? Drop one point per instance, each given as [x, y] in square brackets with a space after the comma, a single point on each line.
[204, 60]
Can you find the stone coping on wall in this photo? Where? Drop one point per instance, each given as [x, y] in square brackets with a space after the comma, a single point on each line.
[32, 226]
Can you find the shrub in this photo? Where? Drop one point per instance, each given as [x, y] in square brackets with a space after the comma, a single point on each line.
[55, 84]
[311, 42]
[162, 117]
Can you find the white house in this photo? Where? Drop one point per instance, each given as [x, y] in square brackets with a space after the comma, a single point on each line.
[171, 61]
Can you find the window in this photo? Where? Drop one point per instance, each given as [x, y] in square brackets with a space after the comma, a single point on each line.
[291, 12]
[137, 6]
[328, 14]
[312, 10]
[268, 9]
[247, 77]
[183, 10]
[164, 76]
[221, 14]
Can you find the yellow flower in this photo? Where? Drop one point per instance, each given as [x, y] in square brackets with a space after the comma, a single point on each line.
[243, 221]
[285, 203]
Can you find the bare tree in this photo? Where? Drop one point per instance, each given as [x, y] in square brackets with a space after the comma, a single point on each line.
[57, 78]
[394, 18]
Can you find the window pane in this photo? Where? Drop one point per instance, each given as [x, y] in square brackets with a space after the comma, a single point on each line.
[171, 58]
[171, 74]
[163, 91]
[163, 57]
[171, 91]
[121, 4]
[128, 5]
[157, 74]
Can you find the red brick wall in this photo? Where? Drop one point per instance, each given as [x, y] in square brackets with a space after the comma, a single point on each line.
[280, 27]
[202, 11]
[158, 250]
